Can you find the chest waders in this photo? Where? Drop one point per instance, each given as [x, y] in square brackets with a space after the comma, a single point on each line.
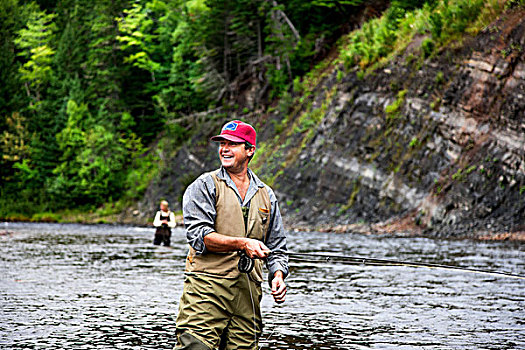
[163, 232]
[220, 306]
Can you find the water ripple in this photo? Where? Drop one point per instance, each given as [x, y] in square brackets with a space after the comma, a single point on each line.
[104, 286]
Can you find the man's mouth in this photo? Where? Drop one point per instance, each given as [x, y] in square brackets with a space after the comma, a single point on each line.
[227, 157]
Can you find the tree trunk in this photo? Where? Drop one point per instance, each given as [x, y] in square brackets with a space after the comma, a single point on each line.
[287, 20]
[259, 40]
[226, 52]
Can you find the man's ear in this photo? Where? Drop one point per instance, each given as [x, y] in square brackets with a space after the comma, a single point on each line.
[251, 151]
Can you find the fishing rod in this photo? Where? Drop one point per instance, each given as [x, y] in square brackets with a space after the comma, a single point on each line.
[246, 263]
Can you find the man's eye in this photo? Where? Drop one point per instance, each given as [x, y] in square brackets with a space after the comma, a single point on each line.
[230, 144]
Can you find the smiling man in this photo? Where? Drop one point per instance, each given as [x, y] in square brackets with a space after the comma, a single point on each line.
[226, 212]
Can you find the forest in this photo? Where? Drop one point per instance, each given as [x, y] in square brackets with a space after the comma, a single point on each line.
[93, 90]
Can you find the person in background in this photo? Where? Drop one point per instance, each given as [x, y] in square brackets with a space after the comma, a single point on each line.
[164, 222]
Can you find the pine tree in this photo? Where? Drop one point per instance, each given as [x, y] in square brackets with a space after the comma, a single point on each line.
[12, 98]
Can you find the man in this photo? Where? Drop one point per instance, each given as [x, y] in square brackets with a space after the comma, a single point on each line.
[164, 221]
[228, 211]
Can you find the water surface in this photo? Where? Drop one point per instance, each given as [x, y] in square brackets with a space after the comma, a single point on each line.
[107, 287]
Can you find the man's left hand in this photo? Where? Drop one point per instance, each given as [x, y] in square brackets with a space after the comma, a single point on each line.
[278, 287]
[255, 249]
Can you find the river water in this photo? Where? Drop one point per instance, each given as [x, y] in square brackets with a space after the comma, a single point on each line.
[107, 287]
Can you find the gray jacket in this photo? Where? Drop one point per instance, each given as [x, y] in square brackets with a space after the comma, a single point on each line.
[198, 207]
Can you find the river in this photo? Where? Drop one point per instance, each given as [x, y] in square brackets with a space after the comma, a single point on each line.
[107, 287]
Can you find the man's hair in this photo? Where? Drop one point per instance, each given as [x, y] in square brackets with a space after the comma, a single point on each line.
[248, 146]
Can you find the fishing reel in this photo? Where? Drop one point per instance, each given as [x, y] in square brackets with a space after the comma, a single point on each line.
[246, 264]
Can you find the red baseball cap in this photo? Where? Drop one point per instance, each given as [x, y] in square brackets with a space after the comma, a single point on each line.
[237, 131]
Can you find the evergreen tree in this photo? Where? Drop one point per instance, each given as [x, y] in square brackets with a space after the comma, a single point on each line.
[35, 43]
[12, 97]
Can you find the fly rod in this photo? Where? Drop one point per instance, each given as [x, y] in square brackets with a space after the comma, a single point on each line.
[246, 264]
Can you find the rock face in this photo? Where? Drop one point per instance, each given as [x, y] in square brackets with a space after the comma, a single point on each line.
[438, 145]
[452, 154]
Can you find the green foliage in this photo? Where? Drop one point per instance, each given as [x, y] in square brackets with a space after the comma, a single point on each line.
[377, 38]
[14, 141]
[436, 25]
[427, 46]
[453, 17]
[351, 200]
[443, 21]
[440, 78]
[94, 158]
[461, 174]
[340, 75]
[392, 110]
[34, 42]
[336, 3]
[135, 33]
[45, 217]
[414, 142]
[514, 3]
[471, 169]
[458, 175]
[11, 96]
[434, 105]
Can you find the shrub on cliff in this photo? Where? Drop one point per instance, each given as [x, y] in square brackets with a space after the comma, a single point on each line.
[443, 21]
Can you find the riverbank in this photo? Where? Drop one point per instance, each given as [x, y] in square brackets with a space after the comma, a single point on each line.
[402, 227]
[394, 229]
[99, 216]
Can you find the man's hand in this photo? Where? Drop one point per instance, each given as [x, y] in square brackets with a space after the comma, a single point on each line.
[255, 249]
[278, 287]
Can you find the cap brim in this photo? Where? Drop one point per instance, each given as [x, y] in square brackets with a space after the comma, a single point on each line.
[231, 138]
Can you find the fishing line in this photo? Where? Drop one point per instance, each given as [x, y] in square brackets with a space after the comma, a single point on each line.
[243, 266]
[253, 309]
[246, 263]
[268, 337]
[323, 257]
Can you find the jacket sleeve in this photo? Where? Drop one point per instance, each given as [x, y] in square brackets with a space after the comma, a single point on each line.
[199, 212]
[156, 221]
[276, 240]
[172, 222]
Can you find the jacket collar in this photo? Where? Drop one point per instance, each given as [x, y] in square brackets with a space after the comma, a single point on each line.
[223, 175]
[255, 184]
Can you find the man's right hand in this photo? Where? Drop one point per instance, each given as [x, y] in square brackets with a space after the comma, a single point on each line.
[255, 249]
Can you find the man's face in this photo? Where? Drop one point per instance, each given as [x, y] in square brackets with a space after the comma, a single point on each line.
[163, 207]
[234, 155]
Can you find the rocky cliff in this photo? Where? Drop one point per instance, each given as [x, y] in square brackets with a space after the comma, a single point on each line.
[433, 146]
